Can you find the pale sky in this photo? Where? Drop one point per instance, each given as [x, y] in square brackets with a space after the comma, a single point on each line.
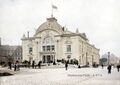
[99, 19]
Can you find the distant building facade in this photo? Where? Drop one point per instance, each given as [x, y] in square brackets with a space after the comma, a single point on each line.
[17, 54]
[110, 59]
[10, 53]
[52, 42]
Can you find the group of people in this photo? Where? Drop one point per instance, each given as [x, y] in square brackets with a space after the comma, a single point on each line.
[34, 65]
[109, 67]
[15, 65]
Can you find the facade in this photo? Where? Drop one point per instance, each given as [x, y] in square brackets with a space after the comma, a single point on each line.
[52, 42]
[10, 53]
[17, 54]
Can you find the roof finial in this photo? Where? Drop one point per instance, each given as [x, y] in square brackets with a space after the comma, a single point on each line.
[23, 35]
[28, 34]
[77, 31]
[51, 15]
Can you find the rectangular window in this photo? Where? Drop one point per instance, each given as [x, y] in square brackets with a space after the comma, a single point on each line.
[43, 48]
[53, 48]
[68, 48]
[48, 48]
[30, 50]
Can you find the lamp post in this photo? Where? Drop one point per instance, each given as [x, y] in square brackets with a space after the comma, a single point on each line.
[108, 58]
[30, 57]
[92, 59]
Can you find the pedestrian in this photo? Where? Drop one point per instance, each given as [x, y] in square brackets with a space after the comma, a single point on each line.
[15, 67]
[109, 69]
[39, 64]
[18, 65]
[102, 66]
[118, 67]
[33, 64]
[29, 64]
[66, 65]
[10, 65]
[79, 66]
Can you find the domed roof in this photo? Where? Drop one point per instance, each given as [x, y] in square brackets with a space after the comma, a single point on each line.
[50, 24]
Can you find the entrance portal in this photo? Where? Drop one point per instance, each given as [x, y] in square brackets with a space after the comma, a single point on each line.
[47, 58]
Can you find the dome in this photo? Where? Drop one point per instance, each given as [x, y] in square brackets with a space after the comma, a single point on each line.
[50, 24]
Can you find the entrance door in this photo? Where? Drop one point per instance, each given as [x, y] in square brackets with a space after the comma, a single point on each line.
[43, 59]
[47, 59]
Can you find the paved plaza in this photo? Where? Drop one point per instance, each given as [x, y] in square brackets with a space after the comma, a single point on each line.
[59, 76]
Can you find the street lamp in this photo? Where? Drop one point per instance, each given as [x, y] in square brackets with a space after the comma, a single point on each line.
[86, 58]
[92, 59]
[30, 57]
[108, 58]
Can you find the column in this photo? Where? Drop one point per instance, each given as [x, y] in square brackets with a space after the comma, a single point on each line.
[45, 58]
[83, 61]
[92, 59]
[86, 58]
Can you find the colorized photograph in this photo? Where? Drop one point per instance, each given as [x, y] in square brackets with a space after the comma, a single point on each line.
[59, 42]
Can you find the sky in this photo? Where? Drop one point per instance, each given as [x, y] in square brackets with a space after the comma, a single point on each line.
[99, 19]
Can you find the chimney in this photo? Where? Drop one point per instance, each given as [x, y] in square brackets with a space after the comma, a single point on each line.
[28, 34]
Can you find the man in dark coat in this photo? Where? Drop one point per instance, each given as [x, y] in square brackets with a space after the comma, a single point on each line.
[10, 65]
[109, 69]
[15, 67]
[102, 66]
[39, 64]
[33, 64]
[66, 65]
[29, 64]
[118, 67]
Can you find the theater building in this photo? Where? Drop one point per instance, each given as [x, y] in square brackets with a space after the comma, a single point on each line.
[52, 42]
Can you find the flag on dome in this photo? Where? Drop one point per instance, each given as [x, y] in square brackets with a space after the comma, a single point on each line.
[54, 7]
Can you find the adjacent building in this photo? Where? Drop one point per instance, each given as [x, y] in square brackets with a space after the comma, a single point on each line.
[52, 42]
[10, 53]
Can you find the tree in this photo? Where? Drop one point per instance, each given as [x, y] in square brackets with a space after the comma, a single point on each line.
[103, 60]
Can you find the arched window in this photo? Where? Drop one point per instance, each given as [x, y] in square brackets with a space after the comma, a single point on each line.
[48, 44]
[48, 41]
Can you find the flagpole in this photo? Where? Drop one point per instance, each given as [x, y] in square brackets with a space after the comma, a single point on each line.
[52, 11]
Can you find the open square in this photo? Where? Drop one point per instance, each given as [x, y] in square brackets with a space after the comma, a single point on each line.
[59, 76]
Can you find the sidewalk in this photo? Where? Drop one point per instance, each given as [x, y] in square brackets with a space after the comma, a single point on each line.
[5, 71]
